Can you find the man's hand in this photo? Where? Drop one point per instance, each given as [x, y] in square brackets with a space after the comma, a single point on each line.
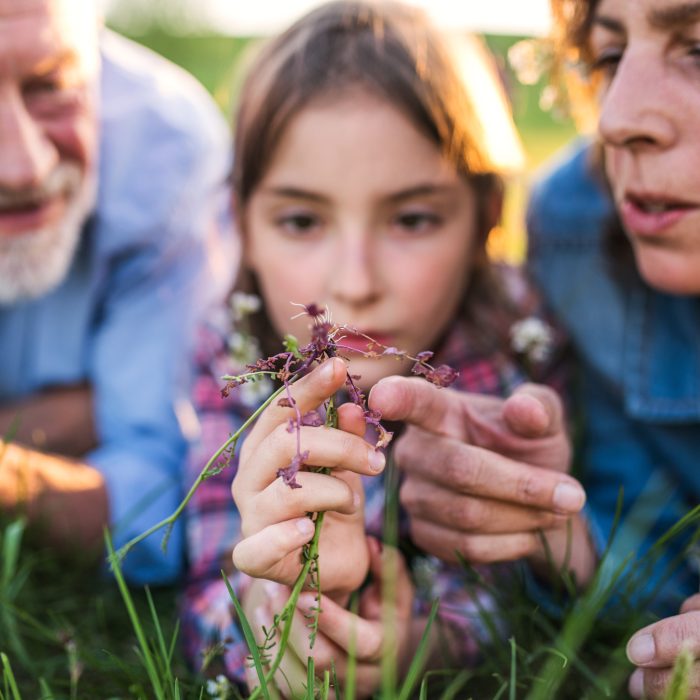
[486, 476]
[59, 420]
[655, 648]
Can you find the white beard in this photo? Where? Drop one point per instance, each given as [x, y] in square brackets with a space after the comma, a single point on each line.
[35, 262]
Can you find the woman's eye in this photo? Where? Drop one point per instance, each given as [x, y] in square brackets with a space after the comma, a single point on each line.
[417, 221]
[605, 64]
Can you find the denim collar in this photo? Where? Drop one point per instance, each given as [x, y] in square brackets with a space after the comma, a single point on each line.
[662, 356]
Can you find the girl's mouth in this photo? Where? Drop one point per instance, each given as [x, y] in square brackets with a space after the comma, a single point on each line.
[363, 342]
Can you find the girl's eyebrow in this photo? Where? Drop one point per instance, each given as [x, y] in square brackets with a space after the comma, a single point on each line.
[419, 190]
[296, 193]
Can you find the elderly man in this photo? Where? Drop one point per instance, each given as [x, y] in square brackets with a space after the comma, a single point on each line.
[112, 208]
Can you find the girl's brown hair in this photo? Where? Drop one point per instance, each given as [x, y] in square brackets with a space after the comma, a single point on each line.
[392, 51]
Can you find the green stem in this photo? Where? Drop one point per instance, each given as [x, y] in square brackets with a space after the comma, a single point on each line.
[287, 614]
[170, 520]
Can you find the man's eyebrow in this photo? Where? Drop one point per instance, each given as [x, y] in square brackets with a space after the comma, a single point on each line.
[675, 15]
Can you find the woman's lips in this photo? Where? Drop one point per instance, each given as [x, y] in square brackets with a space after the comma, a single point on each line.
[653, 218]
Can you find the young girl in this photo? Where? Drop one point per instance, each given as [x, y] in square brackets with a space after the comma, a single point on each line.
[362, 184]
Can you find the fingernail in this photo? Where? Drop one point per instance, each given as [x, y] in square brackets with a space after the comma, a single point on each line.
[356, 499]
[568, 497]
[305, 526]
[376, 459]
[641, 649]
[636, 684]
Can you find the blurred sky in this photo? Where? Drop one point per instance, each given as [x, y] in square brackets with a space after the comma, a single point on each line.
[255, 17]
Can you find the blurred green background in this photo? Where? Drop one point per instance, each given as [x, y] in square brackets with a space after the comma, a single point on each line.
[217, 62]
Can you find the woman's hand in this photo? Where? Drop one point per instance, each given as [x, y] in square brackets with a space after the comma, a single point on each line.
[654, 650]
[274, 522]
[343, 634]
[485, 476]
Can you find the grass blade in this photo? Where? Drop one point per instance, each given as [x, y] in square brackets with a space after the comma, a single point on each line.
[416, 667]
[249, 638]
[147, 658]
[10, 682]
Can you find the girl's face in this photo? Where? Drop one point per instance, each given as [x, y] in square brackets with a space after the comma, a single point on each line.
[360, 212]
[648, 52]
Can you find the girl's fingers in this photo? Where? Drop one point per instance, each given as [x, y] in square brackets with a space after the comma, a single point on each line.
[308, 393]
[260, 554]
[326, 447]
[351, 419]
[344, 629]
[318, 492]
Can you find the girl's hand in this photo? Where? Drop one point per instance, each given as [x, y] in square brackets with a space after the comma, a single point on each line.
[274, 522]
[342, 634]
[654, 650]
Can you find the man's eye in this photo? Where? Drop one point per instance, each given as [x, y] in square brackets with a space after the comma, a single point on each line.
[44, 87]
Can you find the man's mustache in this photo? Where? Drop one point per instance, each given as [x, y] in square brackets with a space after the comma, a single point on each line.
[64, 179]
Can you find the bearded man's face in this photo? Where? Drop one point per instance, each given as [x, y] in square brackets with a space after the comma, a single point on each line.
[48, 133]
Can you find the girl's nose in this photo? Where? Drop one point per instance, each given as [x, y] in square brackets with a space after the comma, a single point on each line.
[354, 282]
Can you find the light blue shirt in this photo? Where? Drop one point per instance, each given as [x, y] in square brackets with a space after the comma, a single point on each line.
[122, 319]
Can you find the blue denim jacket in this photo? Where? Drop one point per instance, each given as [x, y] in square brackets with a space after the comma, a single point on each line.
[639, 353]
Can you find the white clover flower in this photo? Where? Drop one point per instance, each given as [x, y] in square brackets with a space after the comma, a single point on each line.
[220, 688]
[529, 59]
[254, 393]
[533, 338]
[243, 304]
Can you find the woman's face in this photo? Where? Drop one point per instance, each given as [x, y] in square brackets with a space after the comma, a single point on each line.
[648, 54]
[359, 212]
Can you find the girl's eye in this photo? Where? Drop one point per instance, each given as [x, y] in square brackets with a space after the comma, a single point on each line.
[417, 221]
[298, 224]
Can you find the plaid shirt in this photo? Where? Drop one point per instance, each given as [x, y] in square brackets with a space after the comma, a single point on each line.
[209, 623]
